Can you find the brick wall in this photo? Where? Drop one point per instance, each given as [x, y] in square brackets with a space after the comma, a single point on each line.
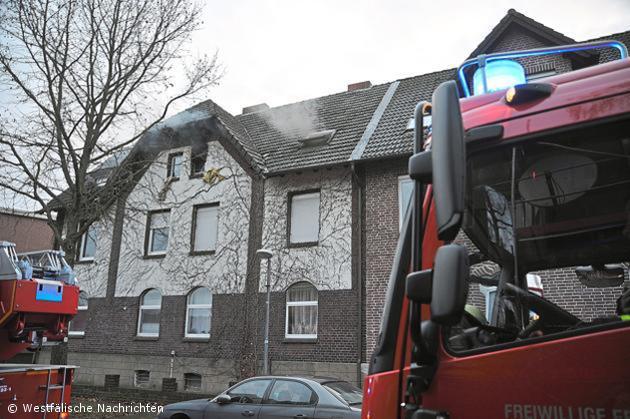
[111, 328]
[381, 236]
[28, 233]
[336, 329]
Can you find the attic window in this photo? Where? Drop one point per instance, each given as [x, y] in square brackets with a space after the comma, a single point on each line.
[317, 138]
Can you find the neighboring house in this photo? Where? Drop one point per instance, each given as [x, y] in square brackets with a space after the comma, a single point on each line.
[171, 271]
[29, 231]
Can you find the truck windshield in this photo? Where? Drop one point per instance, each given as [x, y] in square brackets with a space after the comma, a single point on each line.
[548, 222]
[559, 201]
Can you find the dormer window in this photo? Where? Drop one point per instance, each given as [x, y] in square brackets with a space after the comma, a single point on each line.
[174, 167]
[317, 138]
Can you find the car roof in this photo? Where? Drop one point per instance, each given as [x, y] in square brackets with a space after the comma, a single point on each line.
[315, 378]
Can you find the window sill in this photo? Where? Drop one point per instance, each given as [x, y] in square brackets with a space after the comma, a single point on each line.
[84, 261]
[202, 252]
[157, 256]
[196, 339]
[196, 175]
[299, 340]
[148, 338]
[76, 335]
[298, 245]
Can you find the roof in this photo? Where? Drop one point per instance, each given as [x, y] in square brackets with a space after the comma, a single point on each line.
[514, 17]
[277, 131]
[391, 138]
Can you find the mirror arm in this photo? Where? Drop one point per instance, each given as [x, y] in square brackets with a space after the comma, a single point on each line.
[418, 286]
[421, 167]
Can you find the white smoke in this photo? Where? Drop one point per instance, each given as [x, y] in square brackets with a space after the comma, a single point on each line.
[299, 119]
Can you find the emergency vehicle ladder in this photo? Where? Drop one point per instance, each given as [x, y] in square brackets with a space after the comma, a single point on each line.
[48, 387]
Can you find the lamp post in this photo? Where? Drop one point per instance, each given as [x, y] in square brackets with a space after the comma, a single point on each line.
[266, 254]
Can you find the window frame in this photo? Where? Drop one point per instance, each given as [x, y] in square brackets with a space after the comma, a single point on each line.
[135, 379]
[315, 303]
[312, 402]
[82, 244]
[401, 212]
[264, 396]
[169, 165]
[193, 229]
[290, 196]
[79, 333]
[186, 380]
[142, 307]
[193, 157]
[189, 306]
[148, 236]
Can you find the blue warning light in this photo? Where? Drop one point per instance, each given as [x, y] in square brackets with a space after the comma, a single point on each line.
[499, 75]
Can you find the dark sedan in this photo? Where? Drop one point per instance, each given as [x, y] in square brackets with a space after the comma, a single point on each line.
[275, 398]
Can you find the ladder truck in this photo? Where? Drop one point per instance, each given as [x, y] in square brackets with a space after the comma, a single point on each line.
[516, 178]
[38, 298]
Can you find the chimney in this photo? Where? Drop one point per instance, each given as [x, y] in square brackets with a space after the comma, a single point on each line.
[255, 108]
[358, 86]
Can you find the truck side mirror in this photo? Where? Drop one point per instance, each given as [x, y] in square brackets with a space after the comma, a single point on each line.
[450, 284]
[448, 155]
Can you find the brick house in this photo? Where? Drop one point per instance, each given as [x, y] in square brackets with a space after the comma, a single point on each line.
[27, 230]
[171, 273]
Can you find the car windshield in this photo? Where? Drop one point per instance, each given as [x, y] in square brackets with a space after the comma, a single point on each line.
[560, 201]
[346, 391]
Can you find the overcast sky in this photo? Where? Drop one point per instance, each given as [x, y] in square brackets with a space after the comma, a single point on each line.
[283, 51]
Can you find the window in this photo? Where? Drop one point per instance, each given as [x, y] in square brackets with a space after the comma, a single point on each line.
[199, 313]
[141, 378]
[346, 391]
[291, 392]
[174, 168]
[192, 381]
[197, 165]
[550, 212]
[405, 191]
[149, 315]
[157, 232]
[301, 317]
[250, 391]
[304, 218]
[205, 228]
[88, 244]
[77, 325]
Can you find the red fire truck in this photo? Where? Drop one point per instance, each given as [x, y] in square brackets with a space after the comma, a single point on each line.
[38, 298]
[532, 179]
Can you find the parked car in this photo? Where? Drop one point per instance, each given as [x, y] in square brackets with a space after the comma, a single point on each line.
[275, 397]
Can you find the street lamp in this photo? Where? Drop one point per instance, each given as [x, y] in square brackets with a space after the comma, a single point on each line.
[266, 254]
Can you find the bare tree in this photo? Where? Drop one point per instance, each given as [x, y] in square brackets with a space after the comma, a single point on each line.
[82, 78]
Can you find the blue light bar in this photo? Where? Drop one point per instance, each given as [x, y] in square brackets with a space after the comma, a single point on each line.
[486, 60]
[497, 75]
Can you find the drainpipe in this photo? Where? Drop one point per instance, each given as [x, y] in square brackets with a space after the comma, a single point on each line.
[359, 266]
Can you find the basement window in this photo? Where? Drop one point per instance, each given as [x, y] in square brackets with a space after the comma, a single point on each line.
[192, 381]
[317, 138]
[141, 378]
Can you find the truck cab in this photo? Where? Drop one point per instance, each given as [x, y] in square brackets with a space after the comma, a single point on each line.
[530, 181]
